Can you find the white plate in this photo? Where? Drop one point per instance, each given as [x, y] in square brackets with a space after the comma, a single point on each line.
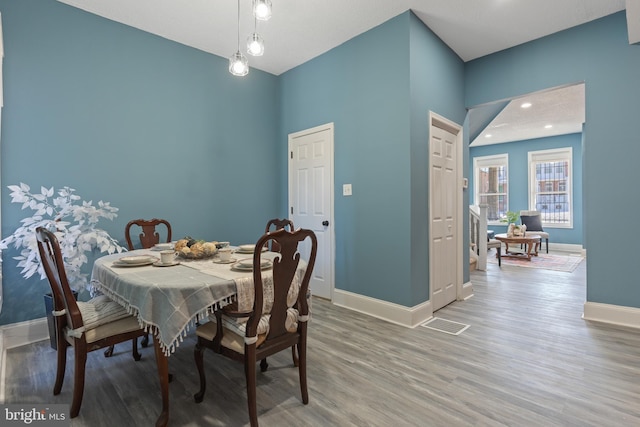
[249, 267]
[151, 260]
[161, 264]
[219, 261]
[249, 262]
[137, 259]
[163, 246]
[247, 249]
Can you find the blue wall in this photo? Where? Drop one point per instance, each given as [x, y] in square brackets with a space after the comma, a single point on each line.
[599, 54]
[154, 127]
[91, 103]
[380, 109]
[519, 180]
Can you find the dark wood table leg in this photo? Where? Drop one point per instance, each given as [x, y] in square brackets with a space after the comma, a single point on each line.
[163, 373]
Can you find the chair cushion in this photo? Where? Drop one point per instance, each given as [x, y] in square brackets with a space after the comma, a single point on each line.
[120, 326]
[230, 339]
[102, 317]
[99, 311]
[493, 243]
[239, 326]
[533, 223]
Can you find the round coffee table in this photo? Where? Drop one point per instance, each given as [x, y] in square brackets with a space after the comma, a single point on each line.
[530, 241]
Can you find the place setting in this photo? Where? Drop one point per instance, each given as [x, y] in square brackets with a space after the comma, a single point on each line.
[135, 261]
[247, 264]
[223, 256]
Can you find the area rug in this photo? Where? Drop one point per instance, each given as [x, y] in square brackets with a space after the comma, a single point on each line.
[567, 263]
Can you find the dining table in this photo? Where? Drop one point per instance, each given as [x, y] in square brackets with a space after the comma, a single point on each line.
[169, 299]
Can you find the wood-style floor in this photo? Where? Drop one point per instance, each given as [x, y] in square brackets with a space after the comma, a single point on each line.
[528, 359]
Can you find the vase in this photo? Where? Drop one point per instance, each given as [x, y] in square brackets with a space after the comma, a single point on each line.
[51, 321]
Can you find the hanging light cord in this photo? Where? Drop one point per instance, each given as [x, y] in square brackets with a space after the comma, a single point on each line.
[238, 25]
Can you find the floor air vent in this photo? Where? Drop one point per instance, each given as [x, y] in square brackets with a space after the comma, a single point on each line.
[446, 326]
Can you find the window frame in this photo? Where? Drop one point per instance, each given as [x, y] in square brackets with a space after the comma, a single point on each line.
[564, 154]
[495, 160]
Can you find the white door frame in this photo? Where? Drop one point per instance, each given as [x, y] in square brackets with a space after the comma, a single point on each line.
[436, 120]
[331, 230]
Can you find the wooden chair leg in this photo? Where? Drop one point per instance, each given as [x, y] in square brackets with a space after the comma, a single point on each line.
[499, 256]
[109, 352]
[62, 365]
[250, 373]
[78, 381]
[136, 353]
[145, 340]
[547, 244]
[294, 355]
[302, 369]
[264, 365]
[198, 355]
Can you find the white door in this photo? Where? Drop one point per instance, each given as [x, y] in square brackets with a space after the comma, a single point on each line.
[311, 198]
[443, 192]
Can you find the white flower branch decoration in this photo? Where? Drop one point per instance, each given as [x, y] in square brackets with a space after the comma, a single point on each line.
[75, 226]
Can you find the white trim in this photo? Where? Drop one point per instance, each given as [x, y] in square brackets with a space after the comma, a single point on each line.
[495, 160]
[23, 333]
[467, 291]
[16, 335]
[613, 314]
[409, 317]
[290, 141]
[436, 120]
[548, 156]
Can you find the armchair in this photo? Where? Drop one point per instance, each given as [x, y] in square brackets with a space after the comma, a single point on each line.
[533, 221]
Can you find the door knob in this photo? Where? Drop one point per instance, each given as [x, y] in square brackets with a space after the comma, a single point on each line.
[325, 223]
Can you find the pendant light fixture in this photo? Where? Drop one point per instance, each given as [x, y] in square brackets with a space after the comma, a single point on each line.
[255, 43]
[238, 64]
[262, 9]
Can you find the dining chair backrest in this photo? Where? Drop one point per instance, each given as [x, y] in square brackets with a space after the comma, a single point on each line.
[53, 264]
[272, 325]
[106, 323]
[283, 272]
[277, 224]
[149, 236]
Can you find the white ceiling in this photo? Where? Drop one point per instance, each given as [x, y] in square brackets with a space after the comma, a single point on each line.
[303, 29]
[557, 111]
[300, 30]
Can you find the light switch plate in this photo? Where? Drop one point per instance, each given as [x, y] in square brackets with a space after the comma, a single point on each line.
[346, 189]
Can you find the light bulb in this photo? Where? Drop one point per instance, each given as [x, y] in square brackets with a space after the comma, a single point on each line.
[255, 45]
[238, 64]
[262, 9]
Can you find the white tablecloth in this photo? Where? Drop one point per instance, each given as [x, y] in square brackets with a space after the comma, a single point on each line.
[168, 300]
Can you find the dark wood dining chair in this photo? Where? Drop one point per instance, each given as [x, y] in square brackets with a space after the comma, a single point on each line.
[86, 326]
[272, 317]
[273, 225]
[149, 237]
[277, 224]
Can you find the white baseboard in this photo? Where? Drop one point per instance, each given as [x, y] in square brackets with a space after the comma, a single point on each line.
[16, 335]
[23, 333]
[467, 291]
[564, 247]
[405, 316]
[612, 314]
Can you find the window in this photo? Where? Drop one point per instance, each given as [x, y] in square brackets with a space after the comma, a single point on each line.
[550, 188]
[491, 184]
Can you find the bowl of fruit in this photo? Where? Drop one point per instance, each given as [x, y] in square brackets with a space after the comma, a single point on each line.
[191, 248]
